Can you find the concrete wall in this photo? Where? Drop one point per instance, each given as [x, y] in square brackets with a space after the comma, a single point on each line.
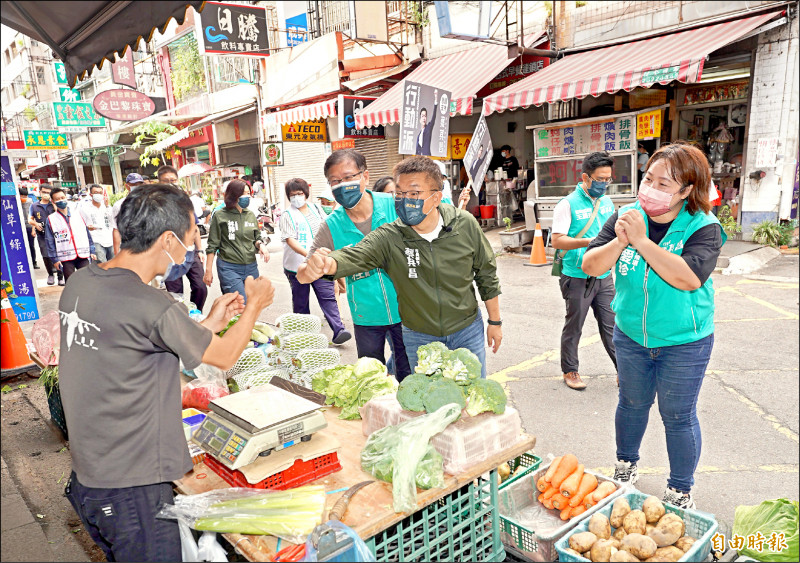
[773, 114]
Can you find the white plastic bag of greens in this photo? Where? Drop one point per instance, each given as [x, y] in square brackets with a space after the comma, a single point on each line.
[404, 450]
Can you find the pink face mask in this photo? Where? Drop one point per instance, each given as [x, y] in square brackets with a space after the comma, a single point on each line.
[653, 201]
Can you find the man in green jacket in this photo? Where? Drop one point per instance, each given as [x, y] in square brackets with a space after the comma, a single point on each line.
[371, 295]
[433, 253]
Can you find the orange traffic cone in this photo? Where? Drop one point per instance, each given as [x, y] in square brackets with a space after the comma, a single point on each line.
[538, 257]
[13, 346]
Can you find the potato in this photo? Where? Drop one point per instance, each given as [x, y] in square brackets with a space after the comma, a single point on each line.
[619, 511]
[582, 541]
[624, 556]
[573, 552]
[668, 530]
[602, 550]
[634, 522]
[615, 542]
[640, 545]
[685, 543]
[653, 509]
[670, 553]
[657, 559]
[648, 527]
[619, 533]
[599, 526]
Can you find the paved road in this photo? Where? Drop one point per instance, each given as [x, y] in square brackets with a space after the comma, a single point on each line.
[748, 406]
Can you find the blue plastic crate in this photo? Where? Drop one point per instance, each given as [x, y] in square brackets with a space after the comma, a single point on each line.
[699, 525]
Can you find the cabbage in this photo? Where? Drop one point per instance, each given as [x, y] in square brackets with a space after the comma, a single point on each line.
[369, 366]
[350, 387]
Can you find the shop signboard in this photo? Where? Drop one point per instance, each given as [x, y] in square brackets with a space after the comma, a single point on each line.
[273, 154]
[648, 125]
[523, 67]
[457, 146]
[69, 185]
[45, 139]
[18, 280]
[479, 153]
[305, 131]
[343, 144]
[61, 72]
[77, 114]
[123, 105]
[716, 93]
[603, 135]
[122, 71]
[233, 29]
[67, 94]
[296, 29]
[660, 75]
[425, 121]
[646, 98]
[348, 106]
[766, 152]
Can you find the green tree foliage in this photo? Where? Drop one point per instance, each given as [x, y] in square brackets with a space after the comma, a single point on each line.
[147, 135]
[187, 74]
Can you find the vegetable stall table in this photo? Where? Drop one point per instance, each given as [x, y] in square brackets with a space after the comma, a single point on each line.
[459, 522]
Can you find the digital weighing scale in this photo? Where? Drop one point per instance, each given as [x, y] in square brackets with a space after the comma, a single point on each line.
[254, 422]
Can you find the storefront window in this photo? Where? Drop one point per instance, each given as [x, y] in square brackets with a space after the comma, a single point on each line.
[558, 178]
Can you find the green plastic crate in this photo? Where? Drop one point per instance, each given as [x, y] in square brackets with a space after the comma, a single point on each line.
[462, 526]
[527, 460]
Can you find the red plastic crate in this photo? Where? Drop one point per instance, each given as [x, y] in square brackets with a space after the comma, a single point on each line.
[300, 473]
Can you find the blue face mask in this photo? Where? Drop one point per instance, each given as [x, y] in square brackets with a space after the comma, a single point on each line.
[348, 194]
[62, 204]
[410, 210]
[244, 201]
[597, 188]
[175, 271]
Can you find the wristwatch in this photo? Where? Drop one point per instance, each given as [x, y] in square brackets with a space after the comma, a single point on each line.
[494, 323]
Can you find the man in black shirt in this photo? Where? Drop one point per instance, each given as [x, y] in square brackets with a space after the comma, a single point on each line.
[510, 162]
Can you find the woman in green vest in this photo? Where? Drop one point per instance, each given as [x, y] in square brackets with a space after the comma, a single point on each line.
[663, 249]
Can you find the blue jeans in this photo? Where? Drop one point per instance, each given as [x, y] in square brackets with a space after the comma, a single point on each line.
[232, 276]
[123, 523]
[371, 342]
[675, 374]
[472, 338]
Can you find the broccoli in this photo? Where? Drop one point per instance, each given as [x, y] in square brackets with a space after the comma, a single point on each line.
[412, 391]
[442, 392]
[430, 358]
[486, 395]
[462, 366]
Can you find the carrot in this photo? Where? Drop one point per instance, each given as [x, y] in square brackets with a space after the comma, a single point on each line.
[559, 502]
[575, 511]
[570, 485]
[565, 513]
[547, 504]
[602, 491]
[550, 492]
[587, 486]
[541, 497]
[542, 485]
[569, 463]
[552, 469]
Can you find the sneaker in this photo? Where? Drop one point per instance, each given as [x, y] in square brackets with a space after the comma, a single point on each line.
[51, 279]
[574, 381]
[626, 472]
[342, 337]
[61, 281]
[35, 266]
[679, 498]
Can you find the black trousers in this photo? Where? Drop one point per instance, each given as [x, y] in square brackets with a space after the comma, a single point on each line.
[371, 342]
[48, 264]
[579, 297]
[32, 246]
[197, 288]
[68, 267]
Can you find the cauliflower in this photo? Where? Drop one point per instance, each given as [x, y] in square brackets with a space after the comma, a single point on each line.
[462, 366]
[430, 358]
[486, 395]
[443, 392]
[412, 390]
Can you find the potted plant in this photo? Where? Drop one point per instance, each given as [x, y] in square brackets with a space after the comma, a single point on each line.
[514, 238]
[767, 233]
[728, 222]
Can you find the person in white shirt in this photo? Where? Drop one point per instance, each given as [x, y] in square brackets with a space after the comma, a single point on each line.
[641, 161]
[97, 216]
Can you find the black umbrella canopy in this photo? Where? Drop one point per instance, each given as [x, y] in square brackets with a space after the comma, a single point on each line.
[86, 34]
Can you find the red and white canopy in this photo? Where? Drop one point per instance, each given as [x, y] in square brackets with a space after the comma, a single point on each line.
[462, 74]
[310, 112]
[678, 56]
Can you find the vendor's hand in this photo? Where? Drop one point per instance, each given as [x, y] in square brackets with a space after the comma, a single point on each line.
[494, 336]
[208, 277]
[224, 308]
[635, 228]
[264, 253]
[259, 291]
[320, 264]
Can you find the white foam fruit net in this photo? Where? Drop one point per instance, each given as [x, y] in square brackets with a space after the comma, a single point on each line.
[312, 360]
[257, 377]
[297, 341]
[295, 322]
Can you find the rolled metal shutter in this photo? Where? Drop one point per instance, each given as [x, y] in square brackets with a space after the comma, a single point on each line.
[381, 155]
[301, 160]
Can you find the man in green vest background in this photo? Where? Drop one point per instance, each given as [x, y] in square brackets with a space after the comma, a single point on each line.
[371, 295]
[577, 219]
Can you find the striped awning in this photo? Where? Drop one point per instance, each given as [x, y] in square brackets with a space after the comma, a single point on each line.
[659, 60]
[310, 112]
[462, 74]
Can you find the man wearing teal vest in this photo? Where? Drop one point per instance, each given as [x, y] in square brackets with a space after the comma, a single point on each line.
[575, 224]
[371, 295]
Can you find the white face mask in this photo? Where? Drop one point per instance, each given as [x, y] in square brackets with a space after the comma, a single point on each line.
[298, 201]
[98, 198]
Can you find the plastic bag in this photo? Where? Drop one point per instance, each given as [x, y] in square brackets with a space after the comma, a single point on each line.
[209, 385]
[46, 337]
[407, 444]
[290, 514]
[359, 551]
[775, 520]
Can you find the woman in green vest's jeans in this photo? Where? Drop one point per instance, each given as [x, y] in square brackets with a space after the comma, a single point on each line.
[663, 248]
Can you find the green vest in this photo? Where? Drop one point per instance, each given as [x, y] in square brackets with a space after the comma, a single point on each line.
[649, 310]
[371, 295]
[581, 206]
